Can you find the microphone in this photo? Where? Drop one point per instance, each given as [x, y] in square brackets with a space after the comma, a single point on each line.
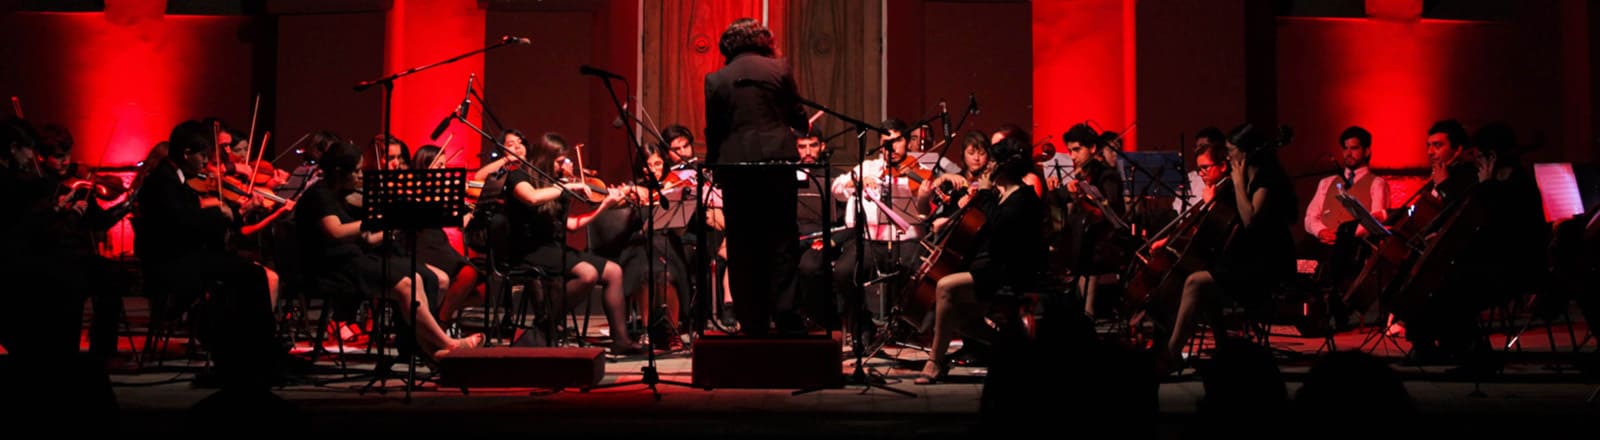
[972, 103]
[944, 117]
[460, 111]
[516, 40]
[617, 123]
[590, 70]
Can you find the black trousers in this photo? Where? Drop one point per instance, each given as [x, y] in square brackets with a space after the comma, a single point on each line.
[759, 208]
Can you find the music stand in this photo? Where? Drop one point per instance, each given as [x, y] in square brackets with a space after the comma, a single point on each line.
[412, 200]
[1361, 214]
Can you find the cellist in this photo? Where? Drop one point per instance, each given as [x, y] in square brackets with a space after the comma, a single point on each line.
[1011, 252]
[1260, 253]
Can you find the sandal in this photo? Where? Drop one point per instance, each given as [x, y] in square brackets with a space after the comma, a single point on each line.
[924, 378]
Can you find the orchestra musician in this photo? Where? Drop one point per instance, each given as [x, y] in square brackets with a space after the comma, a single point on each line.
[1260, 254]
[1096, 192]
[679, 147]
[536, 210]
[814, 273]
[1010, 253]
[748, 124]
[341, 261]
[1327, 220]
[1210, 166]
[1444, 329]
[889, 248]
[178, 237]
[435, 251]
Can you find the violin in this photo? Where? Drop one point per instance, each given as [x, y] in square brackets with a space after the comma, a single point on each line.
[232, 190]
[913, 172]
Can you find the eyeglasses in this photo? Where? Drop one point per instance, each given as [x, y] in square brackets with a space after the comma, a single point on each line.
[1206, 166]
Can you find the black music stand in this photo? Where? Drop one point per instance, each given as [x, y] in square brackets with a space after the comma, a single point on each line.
[411, 200]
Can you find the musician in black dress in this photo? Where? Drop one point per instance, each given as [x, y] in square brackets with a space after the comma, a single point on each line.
[341, 262]
[1260, 255]
[536, 209]
[435, 250]
[1011, 253]
[1096, 196]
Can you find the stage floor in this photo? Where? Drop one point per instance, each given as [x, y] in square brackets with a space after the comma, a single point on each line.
[1543, 384]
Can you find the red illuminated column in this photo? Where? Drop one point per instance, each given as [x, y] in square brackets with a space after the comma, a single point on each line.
[422, 32]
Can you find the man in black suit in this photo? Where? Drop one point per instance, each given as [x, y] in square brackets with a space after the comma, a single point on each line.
[178, 238]
[752, 114]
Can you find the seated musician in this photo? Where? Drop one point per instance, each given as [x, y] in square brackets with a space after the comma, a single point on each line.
[435, 251]
[1210, 167]
[975, 164]
[924, 150]
[340, 261]
[813, 273]
[178, 235]
[1328, 221]
[635, 258]
[537, 212]
[889, 247]
[679, 147]
[1011, 253]
[396, 154]
[243, 164]
[1509, 221]
[1032, 179]
[1260, 255]
[1452, 172]
[298, 179]
[1088, 222]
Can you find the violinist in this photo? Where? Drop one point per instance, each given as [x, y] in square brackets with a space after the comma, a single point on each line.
[668, 255]
[1011, 253]
[1260, 254]
[975, 166]
[395, 152]
[61, 235]
[679, 147]
[239, 164]
[340, 260]
[177, 241]
[435, 251]
[536, 209]
[516, 143]
[889, 247]
[1095, 191]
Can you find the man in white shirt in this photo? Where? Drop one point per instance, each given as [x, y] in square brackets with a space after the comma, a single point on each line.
[1325, 215]
[893, 220]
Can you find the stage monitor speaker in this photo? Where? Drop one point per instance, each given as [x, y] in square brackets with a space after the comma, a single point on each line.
[522, 367]
[799, 362]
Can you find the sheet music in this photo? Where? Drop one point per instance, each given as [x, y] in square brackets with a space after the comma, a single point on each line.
[1361, 214]
[1558, 187]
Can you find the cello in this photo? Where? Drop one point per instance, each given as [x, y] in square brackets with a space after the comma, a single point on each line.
[1157, 273]
[948, 252]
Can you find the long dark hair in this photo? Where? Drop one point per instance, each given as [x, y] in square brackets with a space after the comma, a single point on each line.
[425, 156]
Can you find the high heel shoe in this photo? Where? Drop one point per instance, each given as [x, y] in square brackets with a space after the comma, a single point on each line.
[924, 378]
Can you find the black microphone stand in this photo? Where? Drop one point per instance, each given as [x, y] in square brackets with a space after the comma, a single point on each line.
[649, 376]
[388, 114]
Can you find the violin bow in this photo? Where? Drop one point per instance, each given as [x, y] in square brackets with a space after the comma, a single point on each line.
[255, 165]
